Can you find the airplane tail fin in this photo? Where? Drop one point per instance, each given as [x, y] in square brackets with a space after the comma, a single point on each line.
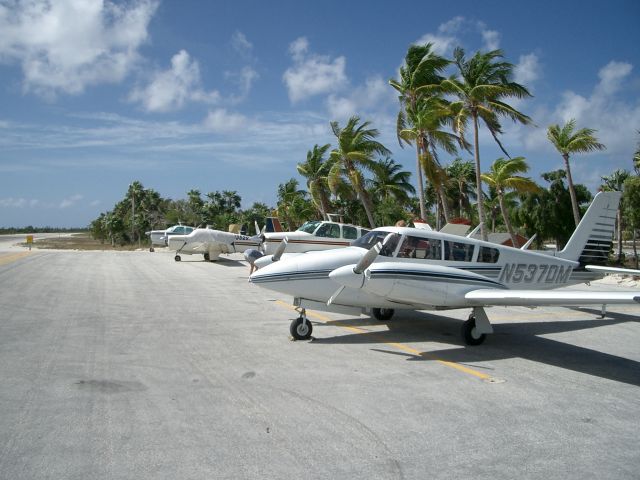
[592, 240]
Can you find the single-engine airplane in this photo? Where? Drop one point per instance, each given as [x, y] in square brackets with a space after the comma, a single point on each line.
[406, 268]
[211, 243]
[160, 237]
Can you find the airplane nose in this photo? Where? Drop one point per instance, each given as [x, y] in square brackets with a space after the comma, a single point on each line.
[346, 277]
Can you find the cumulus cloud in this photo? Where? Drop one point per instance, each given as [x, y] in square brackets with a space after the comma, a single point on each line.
[172, 88]
[445, 39]
[312, 74]
[375, 94]
[527, 70]
[491, 39]
[222, 121]
[66, 46]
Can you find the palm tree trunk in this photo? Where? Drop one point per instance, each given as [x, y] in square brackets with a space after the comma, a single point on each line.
[483, 231]
[368, 206]
[507, 221]
[619, 220]
[572, 190]
[423, 208]
[445, 206]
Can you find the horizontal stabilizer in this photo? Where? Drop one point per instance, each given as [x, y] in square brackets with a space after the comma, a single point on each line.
[534, 298]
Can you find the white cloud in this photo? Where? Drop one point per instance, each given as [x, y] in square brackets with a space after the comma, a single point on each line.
[70, 201]
[222, 121]
[491, 39]
[374, 95]
[244, 81]
[445, 39]
[171, 89]
[313, 74]
[66, 45]
[241, 44]
[611, 77]
[527, 70]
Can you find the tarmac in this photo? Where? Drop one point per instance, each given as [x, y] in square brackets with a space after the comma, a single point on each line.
[128, 365]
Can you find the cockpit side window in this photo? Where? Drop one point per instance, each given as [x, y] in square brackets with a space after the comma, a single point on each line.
[488, 255]
[330, 230]
[370, 239]
[458, 251]
[309, 227]
[350, 233]
[420, 247]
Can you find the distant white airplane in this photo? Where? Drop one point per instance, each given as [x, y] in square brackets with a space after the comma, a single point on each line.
[211, 243]
[406, 268]
[159, 237]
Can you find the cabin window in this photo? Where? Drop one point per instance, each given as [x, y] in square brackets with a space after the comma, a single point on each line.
[330, 230]
[458, 251]
[420, 247]
[309, 227]
[488, 255]
[350, 233]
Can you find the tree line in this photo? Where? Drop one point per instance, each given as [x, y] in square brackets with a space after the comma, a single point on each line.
[443, 105]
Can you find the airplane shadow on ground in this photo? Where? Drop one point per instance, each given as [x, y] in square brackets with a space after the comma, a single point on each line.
[509, 340]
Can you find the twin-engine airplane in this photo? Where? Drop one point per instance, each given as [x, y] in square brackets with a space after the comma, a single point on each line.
[405, 268]
[211, 243]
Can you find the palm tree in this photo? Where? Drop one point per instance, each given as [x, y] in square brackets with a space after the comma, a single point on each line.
[636, 159]
[426, 122]
[483, 85]
[462, 174]
[503, 177]
[615, 182]
[567, 142]
[389, 181]
[355, 150]
[289, 195]
[316, 171]
[418, 77]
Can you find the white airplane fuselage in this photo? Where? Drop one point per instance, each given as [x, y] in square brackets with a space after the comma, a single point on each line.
[393, 281]
[314, 236]
[212, 243]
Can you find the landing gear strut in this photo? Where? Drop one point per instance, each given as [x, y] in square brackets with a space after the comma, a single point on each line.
[475, 329]
[301, 327]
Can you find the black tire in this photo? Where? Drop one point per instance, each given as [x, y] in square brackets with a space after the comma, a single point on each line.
[383, 314]
[151, 249]
[469, 333]
[206, 257]
[177, 258]
[301, 330]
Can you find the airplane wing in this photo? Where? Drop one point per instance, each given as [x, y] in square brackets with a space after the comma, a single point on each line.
[531, 298]
[601, 269]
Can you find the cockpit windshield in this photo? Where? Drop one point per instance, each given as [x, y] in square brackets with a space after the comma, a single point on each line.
[309, 227]
[370, 239]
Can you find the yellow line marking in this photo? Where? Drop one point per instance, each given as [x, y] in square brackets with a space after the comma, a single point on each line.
[12, 257]
[399, 346]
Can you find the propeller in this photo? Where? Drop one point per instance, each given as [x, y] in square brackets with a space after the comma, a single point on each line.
[352, 277]
[280, 250]
[369, 257]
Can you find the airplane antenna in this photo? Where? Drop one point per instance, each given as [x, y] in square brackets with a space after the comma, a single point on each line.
[526, 245]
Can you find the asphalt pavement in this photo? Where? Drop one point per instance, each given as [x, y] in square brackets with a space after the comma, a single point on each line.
[128, 365]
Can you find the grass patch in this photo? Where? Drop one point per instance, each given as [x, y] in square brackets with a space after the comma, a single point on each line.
[79, 241]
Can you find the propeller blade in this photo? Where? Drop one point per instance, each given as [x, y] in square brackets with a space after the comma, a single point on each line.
[280, 250]
[369, 257]
[335, 295]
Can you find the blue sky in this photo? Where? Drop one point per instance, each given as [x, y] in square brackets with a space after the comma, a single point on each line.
[218, 95]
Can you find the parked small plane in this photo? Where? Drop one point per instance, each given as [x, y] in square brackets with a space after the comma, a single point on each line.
[211, 243]
[314, 235]
[159, 237]
[406, 268]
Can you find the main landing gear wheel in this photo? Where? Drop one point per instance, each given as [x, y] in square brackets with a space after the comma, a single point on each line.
[301, 328]
[206, 257]
[151, 249]
[383, 314]
[177, 258]
[470, 333]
